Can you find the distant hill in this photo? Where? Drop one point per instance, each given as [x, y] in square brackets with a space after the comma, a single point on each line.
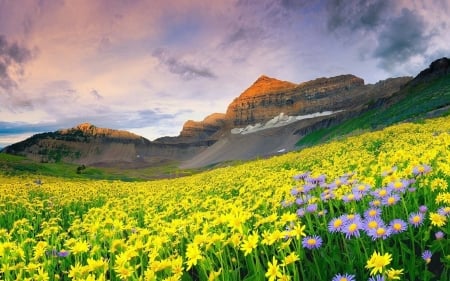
[270, 117]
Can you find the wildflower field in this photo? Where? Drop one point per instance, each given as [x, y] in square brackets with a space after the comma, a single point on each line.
[369, 207]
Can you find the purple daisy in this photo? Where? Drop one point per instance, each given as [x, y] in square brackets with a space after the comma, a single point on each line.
[372, 223]
[335, 224]
[372, 212]
[361, 188]
[381, 231]
[399, 186]
[390, 200]
[397, 226]
[375, 203]
[343, 277]
[426, 256]
[381, 192]
[312, 242]
[416, 219]
[352, 228]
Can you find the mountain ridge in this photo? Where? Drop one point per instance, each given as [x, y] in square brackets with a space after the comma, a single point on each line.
[210, 141]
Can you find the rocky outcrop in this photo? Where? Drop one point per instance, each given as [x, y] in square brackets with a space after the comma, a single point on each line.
[87, 129]
[203, 129]
[437, 68]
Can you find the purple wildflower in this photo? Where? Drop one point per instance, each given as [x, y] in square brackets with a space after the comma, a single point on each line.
[372, 213]
[370, 224]
[311, 208]
[361, 188]
[439, 235]
[397, 226]
[312, 242]
[301, 212]
[390, 200]
[375, 203]
[335, 224]
[352, 228]
[444, 211]
[348, 197]
[316, 180]
[377, 277]
[421, 170]
[423, 209]
[426, 256]
[381, 192]
[302, 176]
[399, 186]
[381, 231]
[63, 253]
[416, 219]
[343, 277]
[294, 191]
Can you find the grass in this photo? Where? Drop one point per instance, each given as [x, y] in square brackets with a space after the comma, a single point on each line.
[12, 165]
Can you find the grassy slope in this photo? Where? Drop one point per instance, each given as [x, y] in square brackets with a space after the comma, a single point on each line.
[418, 101]
[12, 165]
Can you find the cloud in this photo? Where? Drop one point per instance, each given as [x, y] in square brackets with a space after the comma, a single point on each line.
[403, 38]
[356, 15]
[12, 60]
[186, 70]
[95, 94]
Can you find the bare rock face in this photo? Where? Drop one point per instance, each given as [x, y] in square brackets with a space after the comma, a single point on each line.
[268, 97]
[203, 129]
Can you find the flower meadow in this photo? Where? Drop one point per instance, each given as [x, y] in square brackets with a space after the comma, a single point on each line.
[369, 207]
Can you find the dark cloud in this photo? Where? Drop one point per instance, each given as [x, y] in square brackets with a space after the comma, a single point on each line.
[95, 94]
[185, 69]
[344, 15]
[403, 37]
[12, 60]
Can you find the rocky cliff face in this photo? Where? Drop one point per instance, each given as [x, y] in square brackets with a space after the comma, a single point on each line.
[261, 101]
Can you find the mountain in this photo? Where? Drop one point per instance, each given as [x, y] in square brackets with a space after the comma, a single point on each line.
[90, 145]
[268, 118]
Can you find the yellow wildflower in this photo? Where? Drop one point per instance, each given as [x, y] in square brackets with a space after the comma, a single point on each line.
[377, 262]
[273, 271]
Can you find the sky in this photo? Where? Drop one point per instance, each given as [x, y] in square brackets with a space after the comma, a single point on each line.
[147, 66]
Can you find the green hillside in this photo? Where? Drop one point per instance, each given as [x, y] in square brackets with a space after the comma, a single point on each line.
[417, 102]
